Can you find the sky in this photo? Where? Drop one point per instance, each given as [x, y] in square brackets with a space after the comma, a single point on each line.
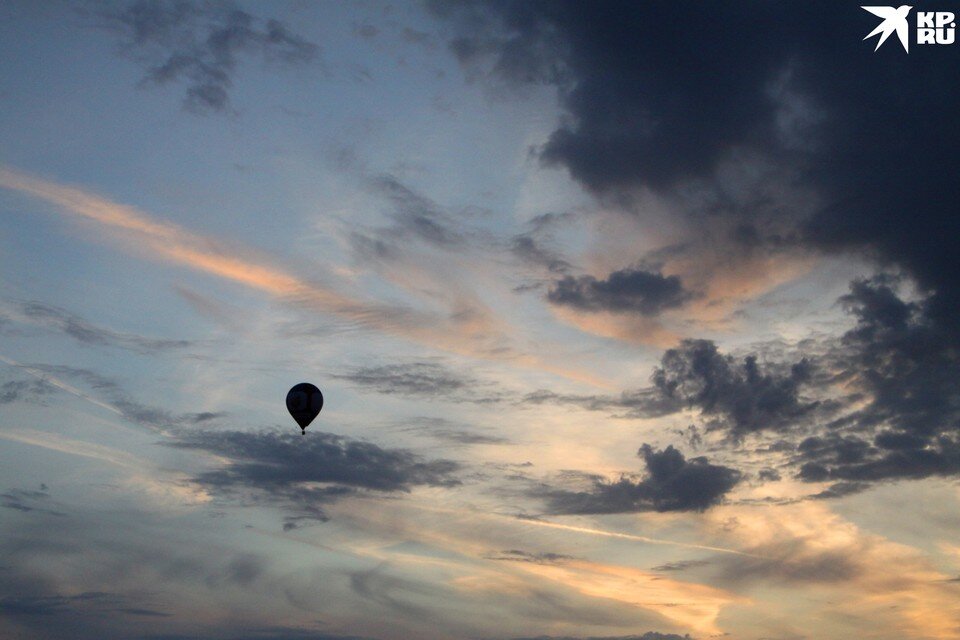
[634, 321]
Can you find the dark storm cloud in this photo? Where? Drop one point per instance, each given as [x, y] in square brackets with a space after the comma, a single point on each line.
[672, 483]
[532, 246]
[901, 355]
[659, 94]
[199, 45]
[87, 333]
[879, 403]
[422, 380]
[739, 395]
[282, 469]
[635, 290]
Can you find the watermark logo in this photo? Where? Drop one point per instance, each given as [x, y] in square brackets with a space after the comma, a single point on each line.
[932, 27]
[893, 20]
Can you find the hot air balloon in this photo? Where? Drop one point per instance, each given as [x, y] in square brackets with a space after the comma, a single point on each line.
[304, 402]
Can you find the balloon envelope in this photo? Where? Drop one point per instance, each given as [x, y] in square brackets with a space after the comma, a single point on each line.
[304, 402]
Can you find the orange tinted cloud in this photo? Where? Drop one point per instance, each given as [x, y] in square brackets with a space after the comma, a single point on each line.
[470, 332]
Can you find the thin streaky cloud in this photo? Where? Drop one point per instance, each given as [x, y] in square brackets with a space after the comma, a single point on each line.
[71, 446]
[538, 522]
[180, 246]
[60, 384]
[629, 536]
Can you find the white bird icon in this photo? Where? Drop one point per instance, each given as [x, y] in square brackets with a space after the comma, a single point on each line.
[893, 20]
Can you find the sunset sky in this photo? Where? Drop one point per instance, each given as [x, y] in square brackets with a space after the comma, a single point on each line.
[634, 321]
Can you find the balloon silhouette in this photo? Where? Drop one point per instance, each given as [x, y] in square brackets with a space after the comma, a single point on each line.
[304, 402]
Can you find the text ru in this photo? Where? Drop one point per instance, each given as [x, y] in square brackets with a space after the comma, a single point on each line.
[936, 27]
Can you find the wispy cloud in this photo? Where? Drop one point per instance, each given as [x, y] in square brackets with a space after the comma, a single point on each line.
[430, 380]
[72, 325]
[199, 45]
[455, 330]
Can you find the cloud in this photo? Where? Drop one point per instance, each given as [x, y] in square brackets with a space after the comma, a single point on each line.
[282, 469]
[267, 633]
[681, 565]
[49, 605]
[649, 635]
[117, 399]
[199, 45]
[626, 290]
[672, 483]
[903, 413]
[415, 215]
[87, 333]
[27, 500]
[784, 85]
[639, 403]
[452, 432]
[739, 396]
[529, 250]
[531, 245]
[24, 391]
[518, 555]
[465, 327]
[422, 380]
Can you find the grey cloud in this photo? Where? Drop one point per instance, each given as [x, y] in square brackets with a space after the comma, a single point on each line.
[367, 31]
[74, 326]
[416, 215]
[529, 250]
[739, 396]
[448, 431]
[518, 555]
[793, 561]
[272, 633]
[274, 467]
[900, 356]
[24, 390]
[672, 483]
[150, 417]
[143, 613]
[647, 110]
[680, 565]
[199, 45]
[423, 380]
[28, 500]
[906, 417]
[649, 635]
[50, 604]
[394, 592]
[532, 246]
[841, 489]
[640, 403]
[627, 290]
